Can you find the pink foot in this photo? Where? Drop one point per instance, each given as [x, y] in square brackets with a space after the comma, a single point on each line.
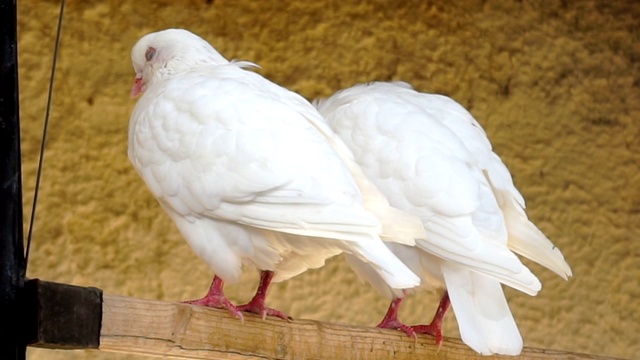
[435, 328]
[431, 329]
[215, 298]
[258, 307]
[257, 304]
[390, 320]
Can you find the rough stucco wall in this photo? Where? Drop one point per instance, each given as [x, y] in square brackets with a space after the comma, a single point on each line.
[555, 84]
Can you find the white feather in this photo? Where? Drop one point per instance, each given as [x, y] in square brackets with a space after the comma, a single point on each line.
[482, 312]
[238, 164]
[431, 158]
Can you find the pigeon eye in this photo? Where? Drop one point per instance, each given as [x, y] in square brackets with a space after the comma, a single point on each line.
[150, 54]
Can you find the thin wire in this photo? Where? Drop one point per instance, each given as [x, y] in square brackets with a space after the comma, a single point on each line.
[44, 133]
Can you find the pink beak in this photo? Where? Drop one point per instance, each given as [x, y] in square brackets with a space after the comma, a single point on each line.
[137, 86]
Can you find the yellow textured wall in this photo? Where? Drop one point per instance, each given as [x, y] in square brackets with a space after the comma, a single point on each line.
[555, 84]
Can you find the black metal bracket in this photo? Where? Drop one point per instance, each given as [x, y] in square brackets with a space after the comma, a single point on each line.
[12, 261]
[61, 316]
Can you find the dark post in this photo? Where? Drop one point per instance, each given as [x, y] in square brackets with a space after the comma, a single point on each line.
[12, 263]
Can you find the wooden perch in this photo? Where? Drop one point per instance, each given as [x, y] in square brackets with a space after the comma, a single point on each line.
[160, 328]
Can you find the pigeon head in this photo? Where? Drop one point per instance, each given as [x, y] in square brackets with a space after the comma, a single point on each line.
[168, 52]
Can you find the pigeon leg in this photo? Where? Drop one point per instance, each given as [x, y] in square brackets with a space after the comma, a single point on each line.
[435, 328]
[216, 298]
[257, 304]
[390, 320]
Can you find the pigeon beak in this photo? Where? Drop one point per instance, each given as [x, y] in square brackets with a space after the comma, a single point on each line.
[136, 89]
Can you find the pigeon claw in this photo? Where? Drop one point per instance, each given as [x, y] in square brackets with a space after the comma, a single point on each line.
[215, 298]
[395, 324]
[256, 306]
[390, 320]
[435, 328]
[218, 302]
[431, 329]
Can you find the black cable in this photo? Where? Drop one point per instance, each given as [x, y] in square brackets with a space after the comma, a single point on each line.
[44, 133]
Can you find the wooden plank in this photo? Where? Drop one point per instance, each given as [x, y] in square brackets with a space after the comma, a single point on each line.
[191, 332]
[64, 316]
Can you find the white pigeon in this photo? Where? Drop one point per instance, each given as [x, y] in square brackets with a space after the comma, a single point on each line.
[430, 157]
[248, 171]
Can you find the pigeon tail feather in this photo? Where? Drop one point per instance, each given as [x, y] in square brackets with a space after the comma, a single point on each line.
[527, 240]
[484, 318]
[386, 265]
